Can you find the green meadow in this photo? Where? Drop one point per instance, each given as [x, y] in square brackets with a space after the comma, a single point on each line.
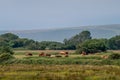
[73, 67]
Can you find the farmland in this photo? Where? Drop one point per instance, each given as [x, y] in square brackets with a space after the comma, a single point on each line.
[74, 67]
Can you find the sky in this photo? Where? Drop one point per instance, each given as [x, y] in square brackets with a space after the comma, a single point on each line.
[50, 14]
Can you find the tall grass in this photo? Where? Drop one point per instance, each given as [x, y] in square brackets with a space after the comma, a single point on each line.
[63, 61]
[59, 72]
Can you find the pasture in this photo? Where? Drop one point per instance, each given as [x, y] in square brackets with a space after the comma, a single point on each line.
[21, 53]
[73, 67]
[59, 72]
[91, 59]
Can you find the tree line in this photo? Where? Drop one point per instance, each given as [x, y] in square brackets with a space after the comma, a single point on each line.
[80, 42]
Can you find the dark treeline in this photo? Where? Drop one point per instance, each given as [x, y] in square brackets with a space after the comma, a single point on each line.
[12, 40]
[82, 42]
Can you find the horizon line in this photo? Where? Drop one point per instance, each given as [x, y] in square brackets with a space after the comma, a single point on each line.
[56, 28]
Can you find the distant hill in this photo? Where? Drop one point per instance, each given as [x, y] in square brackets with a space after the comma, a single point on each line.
[100, 31]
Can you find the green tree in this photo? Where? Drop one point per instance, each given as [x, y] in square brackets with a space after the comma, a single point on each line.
[3, 42]
[7, 39]
[77, 39]
[6, 49]
[17, 43]
[52, 45]
[9, 36]
[92, 46]
[114, 42]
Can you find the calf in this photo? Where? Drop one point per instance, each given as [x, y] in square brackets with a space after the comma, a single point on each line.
[28, 54]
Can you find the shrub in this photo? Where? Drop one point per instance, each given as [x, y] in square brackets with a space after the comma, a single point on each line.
[5, 57]
[114, 56]
[6, 49]
[92, 46]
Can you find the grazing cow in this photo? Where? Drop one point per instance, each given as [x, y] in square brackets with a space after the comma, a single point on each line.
[83, 53]
[28, 54]
[48, 55]
[42, 54]
[63, 53]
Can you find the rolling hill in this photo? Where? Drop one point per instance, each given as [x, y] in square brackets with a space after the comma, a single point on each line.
[99, 31]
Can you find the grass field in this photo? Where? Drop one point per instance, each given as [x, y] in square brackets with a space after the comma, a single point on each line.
[21, 53]
[74, 67]
[92, 59]
[59, 72]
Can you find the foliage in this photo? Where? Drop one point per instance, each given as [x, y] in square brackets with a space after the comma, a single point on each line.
[7, 39]
[92, 46]
[78, 38]
[6, 49]
[51, 45]
[114, 42]
[69, 47]
[12, 40]
[3, 42]
[114, 56]
[9, 36]
[5, 57]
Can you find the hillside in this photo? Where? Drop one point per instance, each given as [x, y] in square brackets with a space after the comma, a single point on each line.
[100, 31]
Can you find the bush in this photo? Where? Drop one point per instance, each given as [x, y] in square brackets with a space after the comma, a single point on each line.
[5, 57]
[114, 56]
[6, 49]
[92, 46]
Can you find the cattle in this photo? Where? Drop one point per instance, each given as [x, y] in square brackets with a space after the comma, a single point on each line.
[42, 54]
[105, 56]
[83, 53]
[63, 53]
[48, 55]
[29, 54]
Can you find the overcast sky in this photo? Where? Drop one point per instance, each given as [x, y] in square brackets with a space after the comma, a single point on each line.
[47, 14]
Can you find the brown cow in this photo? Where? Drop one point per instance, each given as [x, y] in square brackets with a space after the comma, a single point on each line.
[42, 54]
[48, 55]
[63, 53]
[83, 53]
[28, 54]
